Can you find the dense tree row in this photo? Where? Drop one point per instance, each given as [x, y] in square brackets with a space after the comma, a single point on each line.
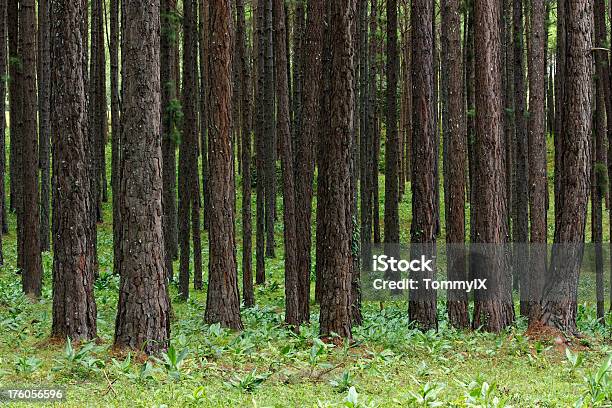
[321, 89]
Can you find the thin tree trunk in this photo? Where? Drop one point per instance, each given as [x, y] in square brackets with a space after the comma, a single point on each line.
[223, 299]
[44, 126]
[32, 262]
[3, 74]
[270, 134]
[260, 137]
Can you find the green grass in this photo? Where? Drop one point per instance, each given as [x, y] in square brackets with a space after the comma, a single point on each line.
[266, 365]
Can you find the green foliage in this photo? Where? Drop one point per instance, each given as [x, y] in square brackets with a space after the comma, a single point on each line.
[174, 118]
[342, 383]
[598, 391]
[172, 361]
[249, 382]
[27, 365]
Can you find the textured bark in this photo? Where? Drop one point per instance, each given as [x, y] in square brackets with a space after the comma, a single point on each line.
[223, 299]
[15, 103]
[143, 315]
[520, 227]
[335, 316]
[559, 97]
[32, 262]
[392, 141]
[422, 303]
[115, 127]
[560, 291]
[188, 210]
[74, 306]
[457, 303]
[493, 309]
[44, 126]
[537, 157]
[260, 129]
[169, 125]
[204, 41]
[270, 135]
[3, 74]
[599, 171]
[292, 314]
[245, 111]
[470, 105]
[305, 142]
[373, 121]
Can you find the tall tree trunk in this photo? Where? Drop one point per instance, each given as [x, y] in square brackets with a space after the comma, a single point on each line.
[74, 306]
[189, 191]
[260, 146]
[560, 79]
[3, 75]
[270, 146]
[471, 109]
[373, 122]
[305, 142]
[245, 111]
[392, 142]
[422, 303]
[292, 315]
[223, 299]
[204, 50]
[116, 129]
[559, 300]
[493, 308]
[335, 316]
[599, 175]
[143, 315]
[32, 262]
[15, 103]
[170, 118]
[537, 159]
[520, 230]
[44, 126]
[457, 303]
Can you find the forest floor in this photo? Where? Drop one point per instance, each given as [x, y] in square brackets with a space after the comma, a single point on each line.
[390, 363]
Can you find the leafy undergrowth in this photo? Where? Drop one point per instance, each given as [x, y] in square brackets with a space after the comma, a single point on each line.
[389, 364]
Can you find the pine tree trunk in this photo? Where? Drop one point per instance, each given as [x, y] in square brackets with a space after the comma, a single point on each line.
[3, 74]
[493, 308]
[32, 262]
[457, 302]
[74, 306]
[334, 165]
[270, 145]
[260, 143]
[203, 50]
[245, 111]
[44, 126]
[223, 299]
[305, 143]
[115, 128]
[537, 159]
[422, 303]
[143, 315]
[170, 130]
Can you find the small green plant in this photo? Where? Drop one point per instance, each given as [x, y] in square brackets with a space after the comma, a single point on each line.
[123, 366]
[173, 361]
[249, 382]
[481, 394]
[599, 387]
[342, 383]
[80, 358]
[352, 400]
[27, 365]
[426, 395]
[575, 359]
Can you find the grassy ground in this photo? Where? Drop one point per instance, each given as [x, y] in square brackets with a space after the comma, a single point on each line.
[391, 364]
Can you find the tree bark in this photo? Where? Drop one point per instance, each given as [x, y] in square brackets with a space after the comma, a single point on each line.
[260, 137]
[170, 117]
[3, 75]
[334, 164]
[143, 315]
[223, 299]
[422, 303]
[270, 135]
[537, 158]
[74, 306]
[44, 126]
[457, 302]
[305, 142]
[245, 111]
[493, 308]
[32, 262]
